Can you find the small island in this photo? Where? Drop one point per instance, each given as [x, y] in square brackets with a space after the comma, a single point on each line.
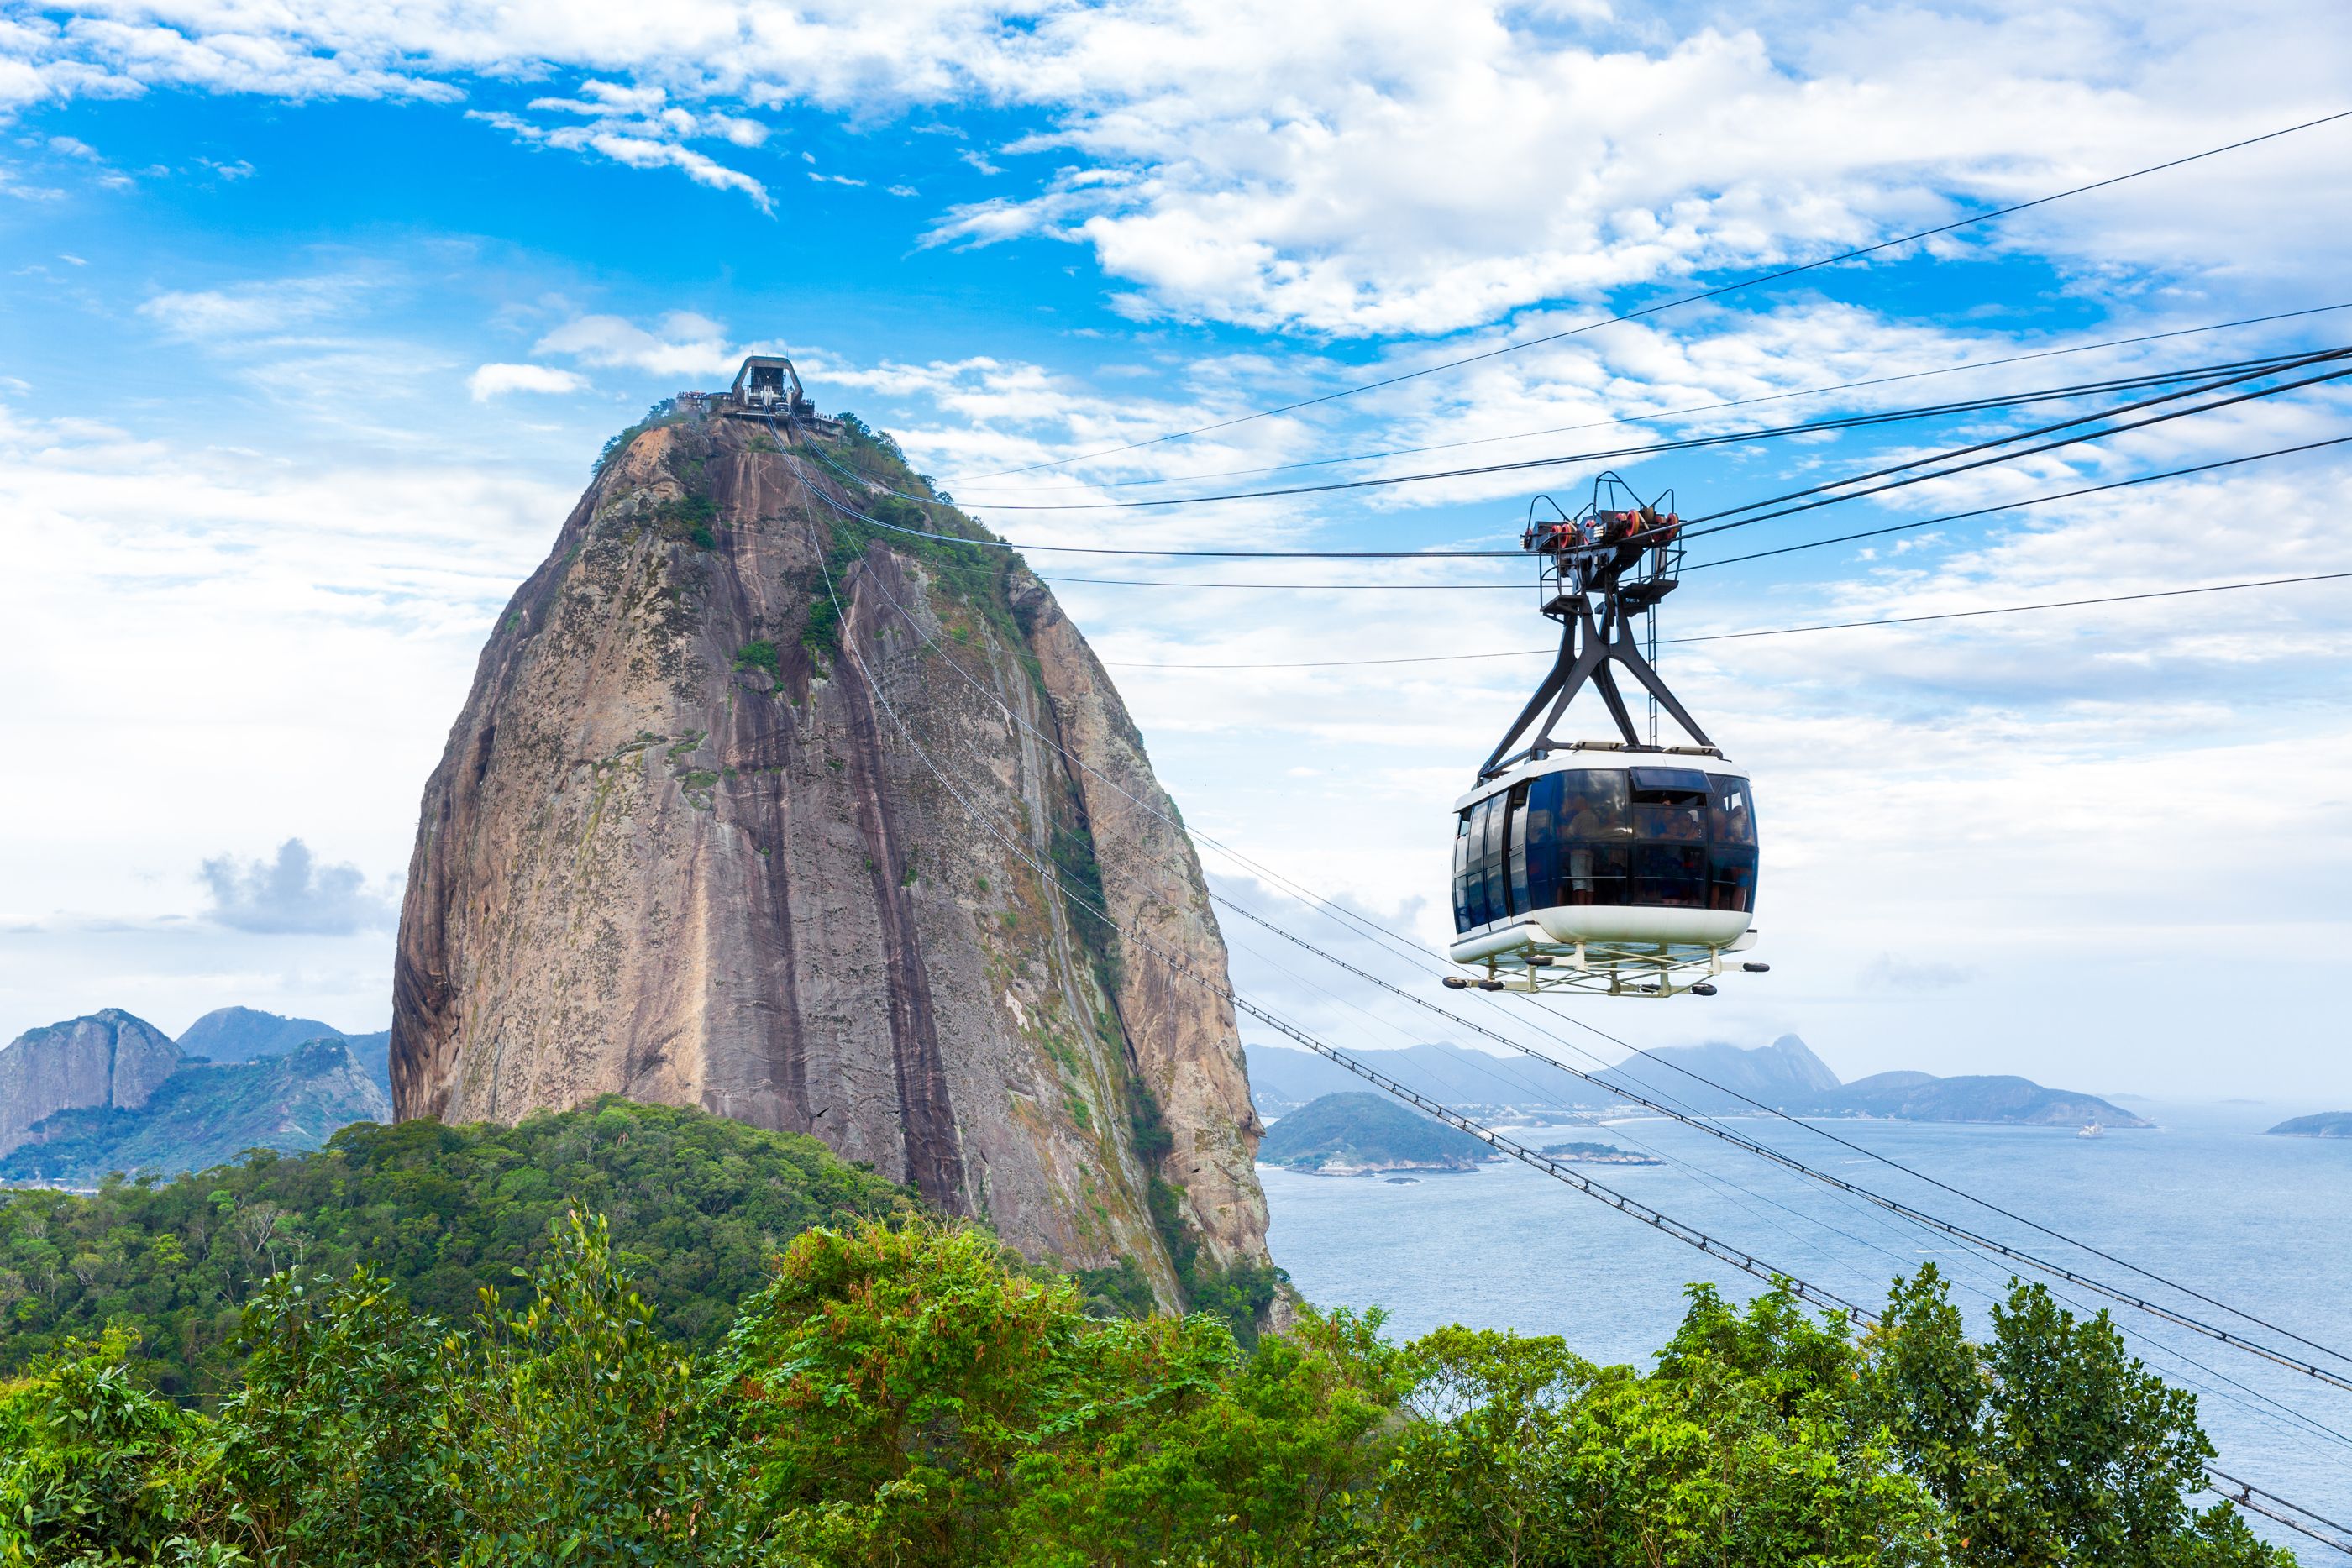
[2326, 1124]
[1367, 1135]
[1598, 1155]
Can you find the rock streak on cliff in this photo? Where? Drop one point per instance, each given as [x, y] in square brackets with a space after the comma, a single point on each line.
[678, 849]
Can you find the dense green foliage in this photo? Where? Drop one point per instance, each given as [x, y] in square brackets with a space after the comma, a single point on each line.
[204, 1115]
[1358, 1130]
[698, 1205]
[911, 1394]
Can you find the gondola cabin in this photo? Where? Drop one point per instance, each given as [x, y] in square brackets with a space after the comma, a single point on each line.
[1605, 867]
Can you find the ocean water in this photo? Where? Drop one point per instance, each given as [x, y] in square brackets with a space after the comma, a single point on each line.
[2204, 1200]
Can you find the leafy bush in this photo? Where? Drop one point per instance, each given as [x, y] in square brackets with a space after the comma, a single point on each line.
[912, 1394]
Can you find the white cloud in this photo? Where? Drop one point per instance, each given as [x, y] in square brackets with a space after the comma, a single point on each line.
[291, 895]
[1387, 168]
[284, 634]
[638, 127]
[247, 308]
[681, 343]
[498, 379]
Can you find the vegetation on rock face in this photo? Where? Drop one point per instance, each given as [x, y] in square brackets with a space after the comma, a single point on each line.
[911, 1394]
[1355, 1133]
[698, 1203]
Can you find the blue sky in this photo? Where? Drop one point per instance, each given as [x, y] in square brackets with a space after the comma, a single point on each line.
[314, 324]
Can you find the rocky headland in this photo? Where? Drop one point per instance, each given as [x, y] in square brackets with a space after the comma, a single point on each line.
[2324, 1124]
[1360, 1134]
[704, 835]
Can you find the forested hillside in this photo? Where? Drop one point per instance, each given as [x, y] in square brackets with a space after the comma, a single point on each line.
[698, 1205]
[692, 1374]
[915, 1397]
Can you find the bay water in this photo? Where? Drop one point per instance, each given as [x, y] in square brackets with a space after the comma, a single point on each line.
[2205, 1199]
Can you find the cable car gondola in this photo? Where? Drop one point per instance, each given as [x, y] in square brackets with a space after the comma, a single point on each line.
[1622, 866]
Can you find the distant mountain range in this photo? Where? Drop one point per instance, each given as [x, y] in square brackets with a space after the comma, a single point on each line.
[1784, 1075]
[109, 1092]
[246, 1034]
[2326, 1124]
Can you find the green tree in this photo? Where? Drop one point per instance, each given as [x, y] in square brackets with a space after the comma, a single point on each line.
[913, 1395]
[697, 1206]
[575, 1432]
[96, 1469]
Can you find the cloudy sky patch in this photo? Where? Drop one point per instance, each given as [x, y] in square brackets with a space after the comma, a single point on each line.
[277, 447]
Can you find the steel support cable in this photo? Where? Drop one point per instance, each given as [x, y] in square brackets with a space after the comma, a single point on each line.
[1761, 632]
[1789, 1162]
[1360, 924]
[2275, 1411]
[1689, 1235]
[2259, 393]
[1755, 281]
[1009, 546]
[1728, 1189]
[2287, 1417]
[1695, 409]
[1773, 1156]
[2244, 368]
[2017, 505]
[2242, 1493]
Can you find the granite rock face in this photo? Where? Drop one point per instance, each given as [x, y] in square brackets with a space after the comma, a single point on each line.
[747, 810]
[108, 1060]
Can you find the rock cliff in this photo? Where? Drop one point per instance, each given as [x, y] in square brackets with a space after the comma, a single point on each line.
[109, 1060]
[696, 839]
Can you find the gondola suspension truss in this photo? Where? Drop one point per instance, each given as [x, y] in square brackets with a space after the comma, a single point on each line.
[1622, 866]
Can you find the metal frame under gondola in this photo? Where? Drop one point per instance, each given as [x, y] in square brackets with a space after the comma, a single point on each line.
[1571, 574]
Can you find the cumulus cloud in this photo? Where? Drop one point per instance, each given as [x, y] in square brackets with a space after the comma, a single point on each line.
[291, 895]
[497, 380]
[680, 343]
[1381, 168]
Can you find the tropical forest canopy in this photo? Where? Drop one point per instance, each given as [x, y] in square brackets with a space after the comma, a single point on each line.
[890, 1388]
